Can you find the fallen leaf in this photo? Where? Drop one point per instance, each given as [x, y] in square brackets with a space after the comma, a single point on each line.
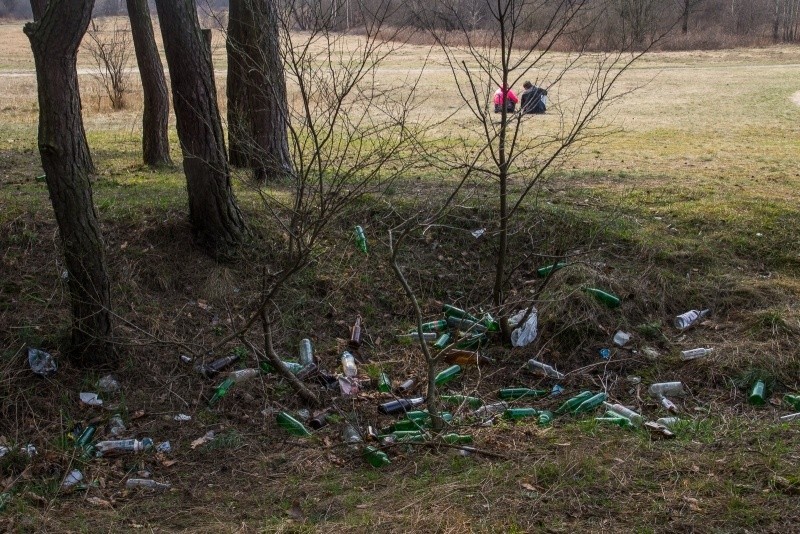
[97, 501]
[169, 463]
[529, 487]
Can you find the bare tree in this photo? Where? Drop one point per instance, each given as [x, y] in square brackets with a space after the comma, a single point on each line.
[155, 118]
[217, 223]
[348, 137]
[55, 39]
[687, 7]
[509, 159]
[110, 47]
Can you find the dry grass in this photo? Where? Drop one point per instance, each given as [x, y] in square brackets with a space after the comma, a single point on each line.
[669, 209]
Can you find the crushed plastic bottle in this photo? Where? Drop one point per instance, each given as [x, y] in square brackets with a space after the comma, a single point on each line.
[90, 399]
[350, 434]
[349, 365]
[42, 363]
[536, 365]
[621, 338]
[491, 409]
[695, 353]
[690, 318]
[116, 426]
[122, 446]
[108, 384]
[147, 483]
[73, 478]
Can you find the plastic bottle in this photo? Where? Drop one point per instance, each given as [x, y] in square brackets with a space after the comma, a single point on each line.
[536, 365]
[349, 365]
[758, 393]
[542, 272]
[792, 400]
[399, 405]
[306, 353]
[384, 383]
[73, 478]
[123, 446]
[668, 422]
[465, 325]
[591, 403]
[667, 404]
[517, 393]
[146, 483]
[624, 411]
[789, 417]
[243, 374]
[442, 341]
[447, 375]
[570, 404]
[472, 402]
[350, 434]
[609, 299]
[375, 457]
[452, 311]
[520, 413]
[414, 336]
[355, 334]
[361, 239]
[491, 409]
[691, 317]
[662, 389]
[291, 425]
[209, 370]
[692, 354]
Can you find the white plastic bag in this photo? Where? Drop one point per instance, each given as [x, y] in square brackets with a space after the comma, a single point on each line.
[524, 335]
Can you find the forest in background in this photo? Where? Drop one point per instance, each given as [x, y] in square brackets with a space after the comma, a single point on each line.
[695, 24]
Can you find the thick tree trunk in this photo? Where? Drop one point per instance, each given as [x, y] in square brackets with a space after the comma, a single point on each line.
[216, 221]
[67, 165]
[155, 119]
[38, 7]
[257, 109]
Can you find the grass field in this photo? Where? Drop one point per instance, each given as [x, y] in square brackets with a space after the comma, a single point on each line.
[692, 202]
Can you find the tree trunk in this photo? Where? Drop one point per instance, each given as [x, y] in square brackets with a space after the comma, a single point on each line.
[155, 119]
[67, 165]
[685, 16]
[216, 221]
[257, 109]
[38, 7]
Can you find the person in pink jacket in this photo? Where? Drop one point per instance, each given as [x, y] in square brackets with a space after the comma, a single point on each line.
[507, 96]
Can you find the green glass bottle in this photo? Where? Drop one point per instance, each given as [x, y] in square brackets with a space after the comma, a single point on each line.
[361, 239]
[447, 375]
[435, 326]
[221, 390]
[758, 393]
[457, 400]
[452, 311]
[614, 419]
[384, 383]
[518, 393]
[375, 457]
[293, 367]
[443, 340]
[291, 425]
[490, 323]
[86, 437]
[406, 424]
[545, 418]
[520, 413]
[792, 400]
[417, 415]
[457, 439]
[609, 299]
[574, 402]
[591, 403]
[543, 272]
[410, 436]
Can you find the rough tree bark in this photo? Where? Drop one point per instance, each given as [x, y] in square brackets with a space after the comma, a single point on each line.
[155, 119]
[38, 7]
[217, 223]
[257, 105]
[67, 164]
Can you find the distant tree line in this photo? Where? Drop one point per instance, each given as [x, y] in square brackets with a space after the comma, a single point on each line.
[697, 24]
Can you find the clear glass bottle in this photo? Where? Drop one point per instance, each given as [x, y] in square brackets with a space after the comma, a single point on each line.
[536, 365]
[349, 365]
[306, 352]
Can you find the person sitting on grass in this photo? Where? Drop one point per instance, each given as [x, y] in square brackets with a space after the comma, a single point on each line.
[505, 96]
[534, 99]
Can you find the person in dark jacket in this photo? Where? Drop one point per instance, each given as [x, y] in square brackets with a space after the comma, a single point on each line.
[533, 99]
